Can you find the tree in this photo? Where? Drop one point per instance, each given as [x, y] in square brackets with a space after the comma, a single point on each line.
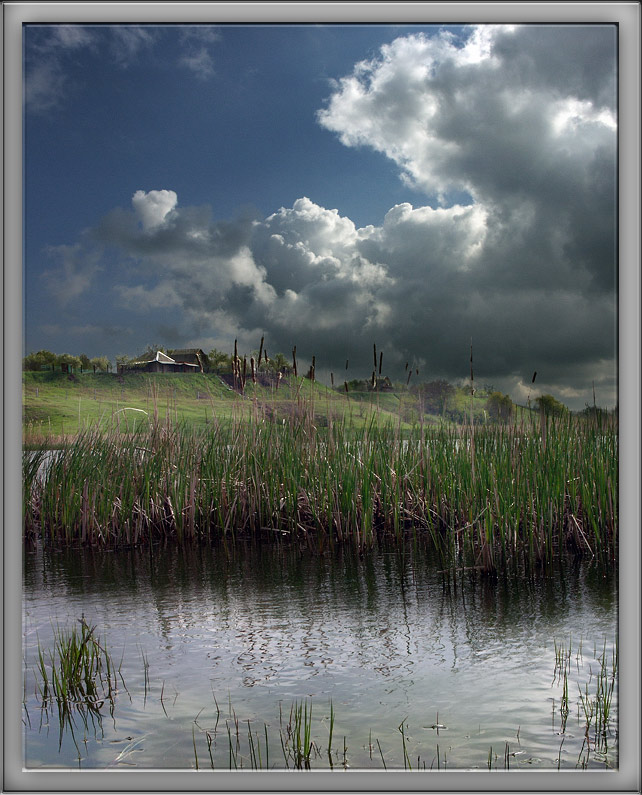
[499, 407]
[435, 395]
[101, 363]
[550, 406]
[36, 361]
[219, 362]
[122, 360]
[85, 361]
[279, 363]
[72, 362]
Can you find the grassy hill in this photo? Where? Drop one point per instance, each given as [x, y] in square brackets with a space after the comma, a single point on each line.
[58, 404]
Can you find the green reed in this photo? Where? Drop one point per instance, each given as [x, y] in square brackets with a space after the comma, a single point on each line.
[597, 706]
[299, 732]
[78, 669]
[77, 677]
[595, 703]
[514, 494]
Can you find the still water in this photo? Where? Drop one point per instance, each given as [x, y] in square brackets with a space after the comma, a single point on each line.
[406, 667]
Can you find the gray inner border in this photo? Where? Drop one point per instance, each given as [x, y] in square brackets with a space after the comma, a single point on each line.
[627, 16]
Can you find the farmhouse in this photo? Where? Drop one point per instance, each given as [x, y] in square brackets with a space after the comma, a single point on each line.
[161, 363]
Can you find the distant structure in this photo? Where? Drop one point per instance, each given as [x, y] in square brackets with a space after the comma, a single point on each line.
[161, 363]
[191, 356]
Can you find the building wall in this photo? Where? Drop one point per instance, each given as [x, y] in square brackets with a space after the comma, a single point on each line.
[160, 367]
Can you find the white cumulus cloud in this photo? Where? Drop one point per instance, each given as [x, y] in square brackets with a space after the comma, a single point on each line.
[471, 117]
[153, 207]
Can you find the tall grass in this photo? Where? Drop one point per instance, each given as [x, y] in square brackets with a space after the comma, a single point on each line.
[515, 494]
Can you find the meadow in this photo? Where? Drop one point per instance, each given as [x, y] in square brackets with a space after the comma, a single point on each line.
[57, 405]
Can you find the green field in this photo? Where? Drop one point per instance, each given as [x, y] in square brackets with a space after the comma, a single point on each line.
[58, 404]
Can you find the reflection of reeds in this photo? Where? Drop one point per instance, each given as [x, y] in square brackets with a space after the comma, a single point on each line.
[508, 495]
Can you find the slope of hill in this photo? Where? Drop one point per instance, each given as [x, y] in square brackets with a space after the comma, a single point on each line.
[58, 403]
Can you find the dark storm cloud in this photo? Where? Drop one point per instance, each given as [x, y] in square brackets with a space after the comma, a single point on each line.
[574, 60]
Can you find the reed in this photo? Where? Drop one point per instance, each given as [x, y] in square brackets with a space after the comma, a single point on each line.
[78, 669]
[238, 745]
[300, 735]
[77, 678]
[597, 706]
[507, 495]
[595, 703]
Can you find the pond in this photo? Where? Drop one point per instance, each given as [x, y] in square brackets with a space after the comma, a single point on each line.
[379, 661]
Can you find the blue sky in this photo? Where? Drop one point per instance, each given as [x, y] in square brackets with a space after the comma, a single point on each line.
[331, 187]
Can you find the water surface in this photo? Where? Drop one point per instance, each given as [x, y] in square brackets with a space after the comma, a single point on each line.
[213, 637]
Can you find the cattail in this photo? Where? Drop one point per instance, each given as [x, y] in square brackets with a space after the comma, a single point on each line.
[528, 399]
[235, 365]
[380, 361]
[260, 349]
[253, 367]
[374, 378]
[332, 379]
[375, 356]
[408, 379]
[294, 361]
[345, 384]
[346, 364]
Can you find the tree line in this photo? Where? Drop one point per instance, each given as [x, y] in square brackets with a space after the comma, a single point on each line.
[216, 361]
[47, 360]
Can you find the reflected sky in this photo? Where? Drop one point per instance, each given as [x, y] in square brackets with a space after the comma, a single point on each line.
[385, 636]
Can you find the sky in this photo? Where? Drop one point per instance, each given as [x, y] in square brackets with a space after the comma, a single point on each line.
[330, 187]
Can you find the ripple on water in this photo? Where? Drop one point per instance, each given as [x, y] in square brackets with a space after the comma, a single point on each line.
[380, 638]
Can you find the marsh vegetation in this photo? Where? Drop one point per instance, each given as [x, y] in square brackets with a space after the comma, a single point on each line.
[487, 497]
